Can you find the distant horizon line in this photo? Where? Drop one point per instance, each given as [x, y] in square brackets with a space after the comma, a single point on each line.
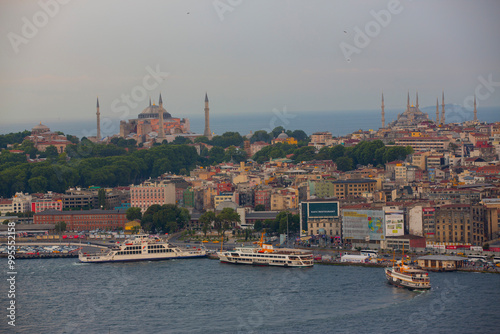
[225, 114]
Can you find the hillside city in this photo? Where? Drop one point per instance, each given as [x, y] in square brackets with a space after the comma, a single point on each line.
[416, 183]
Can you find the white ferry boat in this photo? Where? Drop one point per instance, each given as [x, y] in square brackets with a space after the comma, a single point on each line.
[266, 255]
[404, 276]
[141, 248]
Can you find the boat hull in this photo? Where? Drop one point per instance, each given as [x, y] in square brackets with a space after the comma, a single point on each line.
[247, 259]
[261, 264]
[104, 260]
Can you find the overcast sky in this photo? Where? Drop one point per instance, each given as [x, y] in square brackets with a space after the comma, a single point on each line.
[249, 55]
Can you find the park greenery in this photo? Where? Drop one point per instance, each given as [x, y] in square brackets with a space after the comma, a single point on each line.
[121, 162]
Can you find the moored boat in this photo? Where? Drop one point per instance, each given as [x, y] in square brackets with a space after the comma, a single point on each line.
[141, 248]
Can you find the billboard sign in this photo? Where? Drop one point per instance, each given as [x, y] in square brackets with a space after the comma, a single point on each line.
[363, 224]
[394, 221]
[323, 209]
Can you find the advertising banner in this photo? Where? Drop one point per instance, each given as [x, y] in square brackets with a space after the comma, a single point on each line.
[363, 224]
[394, 224]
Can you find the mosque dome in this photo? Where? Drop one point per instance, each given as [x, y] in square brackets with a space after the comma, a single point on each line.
[282, 135]
[153, 111]
[40, 128]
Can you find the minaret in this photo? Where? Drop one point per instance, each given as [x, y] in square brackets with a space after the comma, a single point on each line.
[161, 131]
[207, 132]
[383, 112]
[408, 103]
[416, 102]
[437, 110]
[98, 136]
[442, 110]
[475, 109]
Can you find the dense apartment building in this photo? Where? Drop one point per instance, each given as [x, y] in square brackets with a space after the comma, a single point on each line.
[460, 223]
[46, 204]
[453, 195]
[89, 198]
[19, 203]
[341, 188]
[345, 188]
[84, 220]
[223, 197]
[424, 143]
[284, 199]
[80, 198]
[148, 193]
[263, 197]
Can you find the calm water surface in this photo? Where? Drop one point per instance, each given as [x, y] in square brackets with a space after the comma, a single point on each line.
[204, 296]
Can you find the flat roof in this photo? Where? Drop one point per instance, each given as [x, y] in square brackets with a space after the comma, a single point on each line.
[355, 181]
[442, 258]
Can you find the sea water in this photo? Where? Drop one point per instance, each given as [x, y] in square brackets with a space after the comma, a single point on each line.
[205, 296]
[339, 123]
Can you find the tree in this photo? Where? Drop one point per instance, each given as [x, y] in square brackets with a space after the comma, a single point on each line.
[164, 218]
[257, 226]
[260, 135]
[228, 139]
[202, 139]
[306, 153]
[101, 198]
[135, 229]
[260, 207]
[50, 152]
[227, 217]
[277, 130]
[179, 140]
[60, 227]
[345, 164]
[207, 219]
[337, 152]
[133, 213]
[216, 155]
[234, 154]
[299, 135]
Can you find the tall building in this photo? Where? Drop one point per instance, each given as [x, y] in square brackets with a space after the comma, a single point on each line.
[207, 132]
[460, 223]
[149, 193]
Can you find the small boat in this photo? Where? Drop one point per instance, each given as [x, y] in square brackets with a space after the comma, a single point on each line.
[142, 248]
[402, 275]
[266, 255]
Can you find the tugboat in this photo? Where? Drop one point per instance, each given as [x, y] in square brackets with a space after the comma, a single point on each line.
[402, 275]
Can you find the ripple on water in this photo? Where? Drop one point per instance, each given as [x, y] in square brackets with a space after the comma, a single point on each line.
[201, 295]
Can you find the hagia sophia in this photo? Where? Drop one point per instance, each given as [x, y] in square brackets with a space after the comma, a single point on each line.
[154, 123]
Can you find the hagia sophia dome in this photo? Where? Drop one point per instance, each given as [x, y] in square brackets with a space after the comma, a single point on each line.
[153, 111]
